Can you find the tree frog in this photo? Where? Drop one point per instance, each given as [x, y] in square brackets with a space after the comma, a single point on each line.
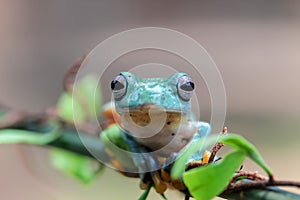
[156, 121]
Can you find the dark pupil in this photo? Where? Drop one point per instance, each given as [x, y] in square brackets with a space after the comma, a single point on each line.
[188, 86]
[116, 85]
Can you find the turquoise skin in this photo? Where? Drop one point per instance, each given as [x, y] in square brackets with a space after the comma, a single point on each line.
[158, 91]
[156, 119]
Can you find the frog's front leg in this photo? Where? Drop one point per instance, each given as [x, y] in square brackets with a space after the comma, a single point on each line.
[128, 155]
[148, 166]
[203, 130]
[117, 147]
[143, 159]
[123, 148]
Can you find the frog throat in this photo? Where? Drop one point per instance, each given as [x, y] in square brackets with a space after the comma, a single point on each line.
[142, 118]
[144, 115]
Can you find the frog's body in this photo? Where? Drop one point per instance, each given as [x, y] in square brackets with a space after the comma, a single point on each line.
[155, 116]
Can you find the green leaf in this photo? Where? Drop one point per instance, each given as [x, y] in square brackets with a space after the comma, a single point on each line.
[115, 142]
[233, 140]
[163, 196]
[69, 108]
[90, 95]
[180, 164]
[240, 143]
[13, 136]
[75, 165]
[206, 182]
[145, 194]
[83, 104]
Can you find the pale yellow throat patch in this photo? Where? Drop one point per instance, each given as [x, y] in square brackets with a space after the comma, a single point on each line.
[158, 129]
[143, 118]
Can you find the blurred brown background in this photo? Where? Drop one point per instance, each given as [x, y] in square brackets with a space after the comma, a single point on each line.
[255, 44]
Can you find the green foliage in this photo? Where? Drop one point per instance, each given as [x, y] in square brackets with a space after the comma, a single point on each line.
[80, 106]
[208, 181]
[115, 137]
[14, 136]
[67, 107]
[240, 143]
[180, 164]
[90, 95]
[145, 194]
[75, 165]
[83, 104]
[115, 141]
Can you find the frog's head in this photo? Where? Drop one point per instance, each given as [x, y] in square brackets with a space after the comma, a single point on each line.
[172, 94]
[152, 105]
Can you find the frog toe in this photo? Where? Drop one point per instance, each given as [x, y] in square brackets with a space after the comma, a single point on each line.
[159, 185]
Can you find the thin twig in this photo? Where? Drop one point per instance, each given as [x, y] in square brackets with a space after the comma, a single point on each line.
[15, 118]
[71, 74]
[217, 147]
[258, 185]
[248, 175]
[12, 118]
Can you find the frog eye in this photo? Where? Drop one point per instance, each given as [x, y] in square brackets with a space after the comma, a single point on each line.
[185, 87]
[119, 87]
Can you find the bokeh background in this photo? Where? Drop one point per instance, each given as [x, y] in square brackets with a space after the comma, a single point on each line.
[255, 44]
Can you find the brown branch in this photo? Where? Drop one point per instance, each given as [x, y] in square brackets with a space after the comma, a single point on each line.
[79, 143]
[249, 175]
[15, 118]
[71, 74]
[217, 147]
[246, 185]
[12, 118]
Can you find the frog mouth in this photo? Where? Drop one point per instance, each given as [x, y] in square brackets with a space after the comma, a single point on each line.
[149, 107]
[150, 113]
